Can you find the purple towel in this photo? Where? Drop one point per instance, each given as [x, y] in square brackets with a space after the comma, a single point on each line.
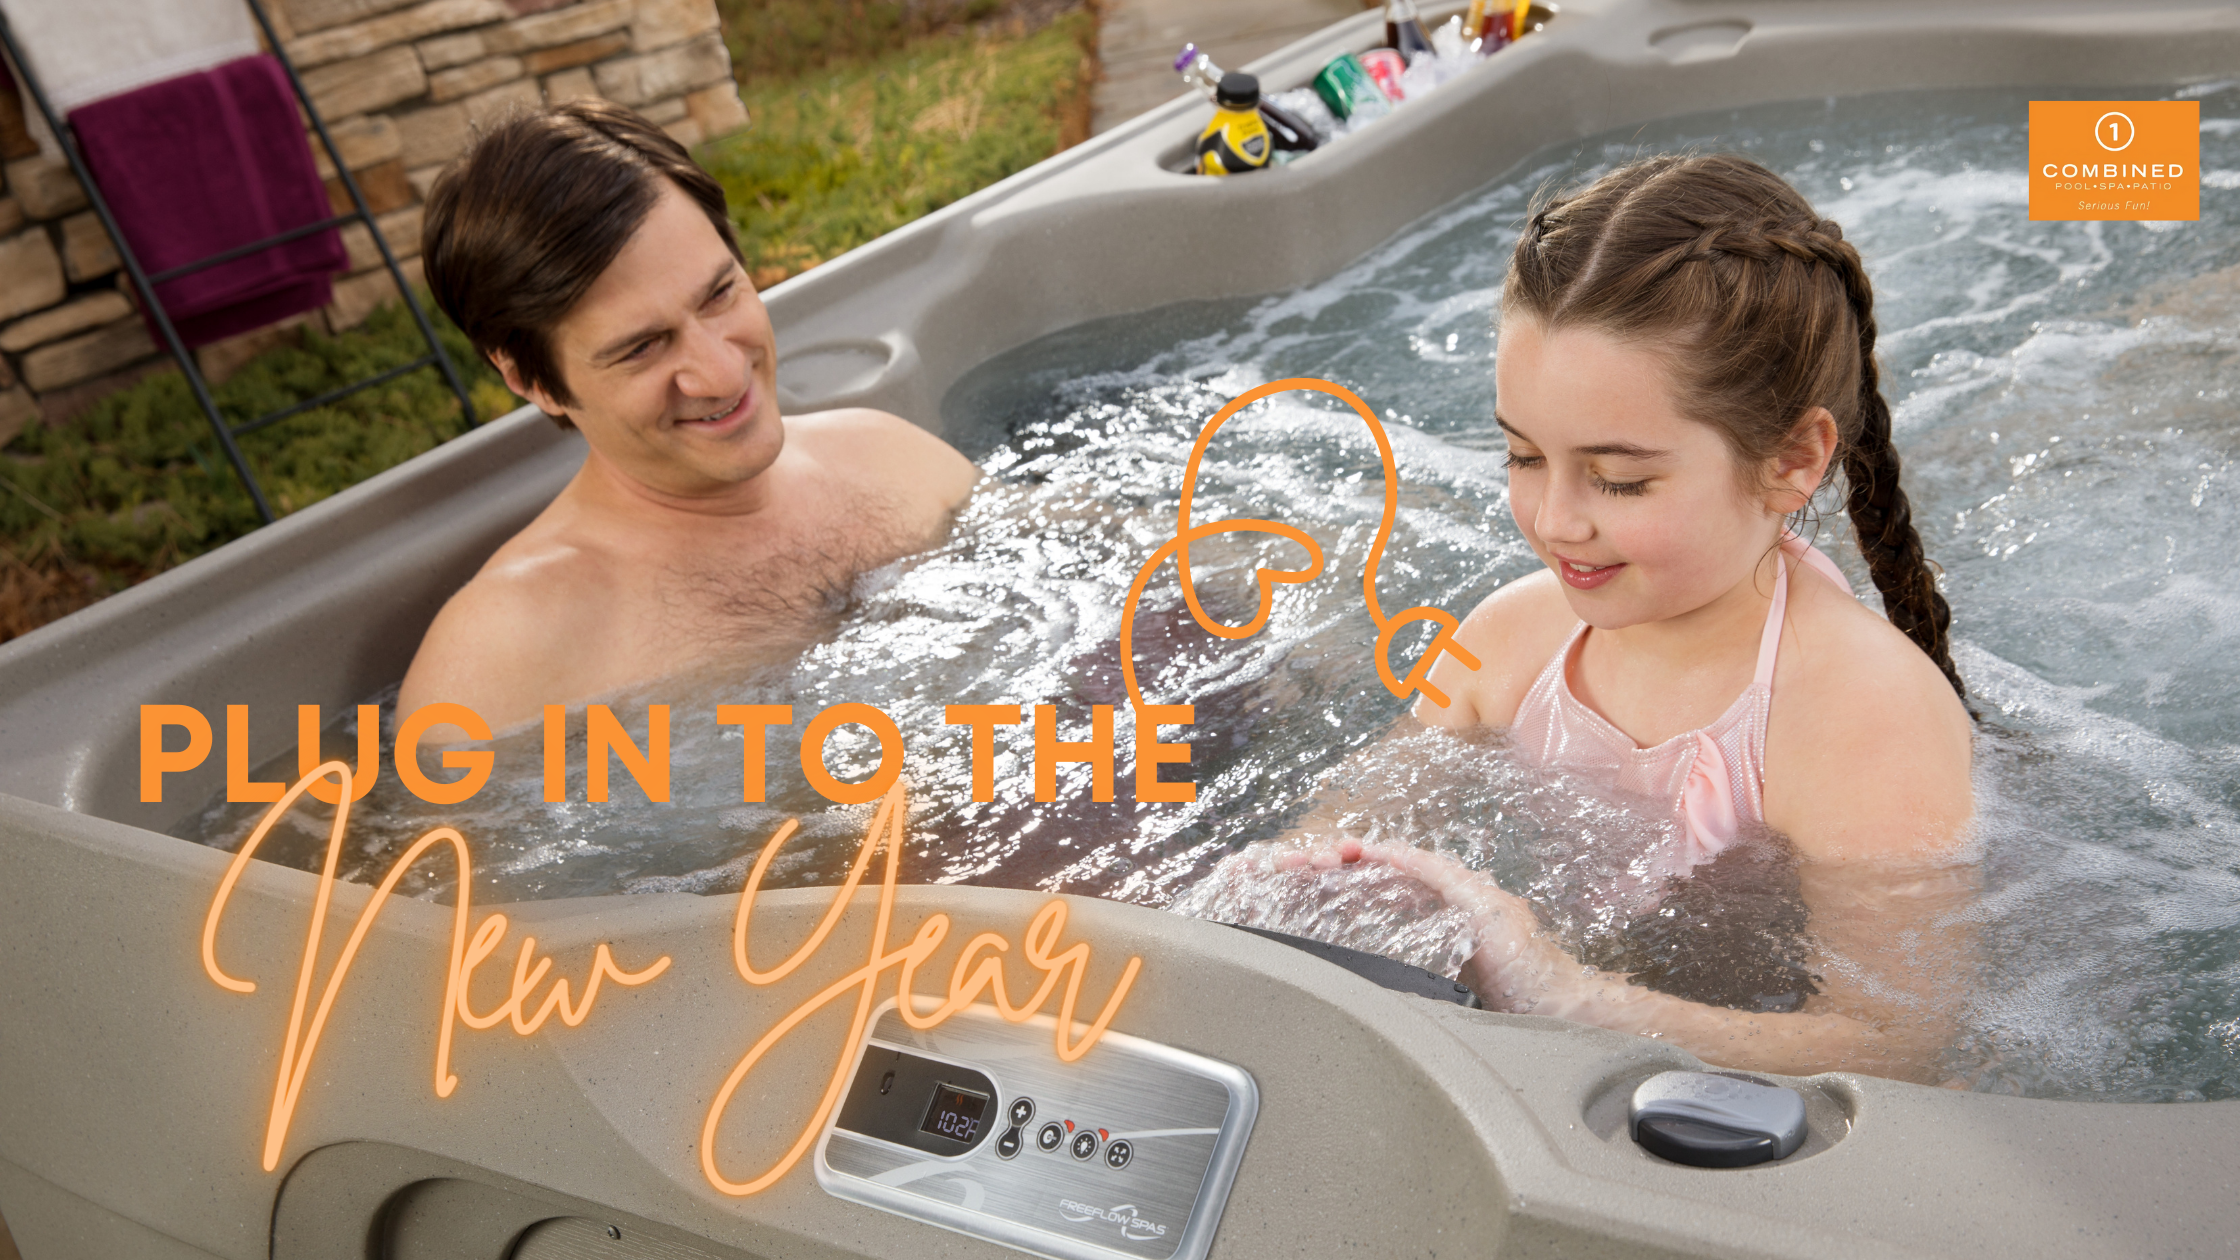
[201, 164]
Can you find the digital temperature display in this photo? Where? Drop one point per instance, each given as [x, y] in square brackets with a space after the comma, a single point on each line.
[954, 1113]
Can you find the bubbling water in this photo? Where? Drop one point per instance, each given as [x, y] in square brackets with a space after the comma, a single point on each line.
[2063, 397]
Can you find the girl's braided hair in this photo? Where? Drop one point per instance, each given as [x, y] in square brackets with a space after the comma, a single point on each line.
[1764, 311]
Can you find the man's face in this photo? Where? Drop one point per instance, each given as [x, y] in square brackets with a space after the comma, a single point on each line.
[671, 360]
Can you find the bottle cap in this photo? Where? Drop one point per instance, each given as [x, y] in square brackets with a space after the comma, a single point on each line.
[1238, 90]
[1188, 55]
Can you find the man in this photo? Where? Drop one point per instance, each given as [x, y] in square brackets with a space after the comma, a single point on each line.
[586, 255]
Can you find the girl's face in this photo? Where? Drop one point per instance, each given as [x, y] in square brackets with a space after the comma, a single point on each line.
[1640, 511]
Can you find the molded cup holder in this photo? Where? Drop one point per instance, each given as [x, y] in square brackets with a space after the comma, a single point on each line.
[834, 372]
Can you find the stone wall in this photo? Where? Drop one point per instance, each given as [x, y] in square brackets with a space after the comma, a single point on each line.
[401, 84]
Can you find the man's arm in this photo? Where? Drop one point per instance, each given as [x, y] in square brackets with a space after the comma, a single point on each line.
[504, 648]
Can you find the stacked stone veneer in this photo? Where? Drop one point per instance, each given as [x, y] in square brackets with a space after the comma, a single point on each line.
[402, 85]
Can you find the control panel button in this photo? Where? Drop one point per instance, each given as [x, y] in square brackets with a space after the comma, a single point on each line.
[1025, 1150]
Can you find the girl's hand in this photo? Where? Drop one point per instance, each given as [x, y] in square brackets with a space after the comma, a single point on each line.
[1517, 966]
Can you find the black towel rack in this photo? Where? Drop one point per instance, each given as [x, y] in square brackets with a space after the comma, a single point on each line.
[145, 283]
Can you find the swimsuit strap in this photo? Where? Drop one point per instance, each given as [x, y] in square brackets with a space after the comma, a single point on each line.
[1811, 557]
[1769, 643]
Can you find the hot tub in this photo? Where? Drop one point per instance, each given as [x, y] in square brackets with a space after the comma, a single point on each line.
[134, 1092]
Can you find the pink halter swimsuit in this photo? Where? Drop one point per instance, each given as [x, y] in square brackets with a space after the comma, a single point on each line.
[1714, 776]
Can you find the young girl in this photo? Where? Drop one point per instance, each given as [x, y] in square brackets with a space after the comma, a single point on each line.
[1686, 355]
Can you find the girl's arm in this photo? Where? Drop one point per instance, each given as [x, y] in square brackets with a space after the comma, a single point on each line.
[1890, 963]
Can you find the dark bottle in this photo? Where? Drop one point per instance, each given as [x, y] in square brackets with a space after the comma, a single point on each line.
[1290, 131]
[1403, 30]
[1287, 129]
[1237, 141]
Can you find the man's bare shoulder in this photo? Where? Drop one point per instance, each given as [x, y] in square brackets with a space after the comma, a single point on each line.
[853, 422]
[519, 632]
[888, 452]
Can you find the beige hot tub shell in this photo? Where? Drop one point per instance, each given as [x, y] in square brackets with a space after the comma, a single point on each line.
[133, 1090]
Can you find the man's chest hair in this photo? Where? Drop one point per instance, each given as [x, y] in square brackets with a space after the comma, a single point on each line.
[794, 581]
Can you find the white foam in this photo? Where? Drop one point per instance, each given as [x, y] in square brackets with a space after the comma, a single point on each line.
[2065, 419]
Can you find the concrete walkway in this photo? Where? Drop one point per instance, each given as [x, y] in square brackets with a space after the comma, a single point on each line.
[1139, 40]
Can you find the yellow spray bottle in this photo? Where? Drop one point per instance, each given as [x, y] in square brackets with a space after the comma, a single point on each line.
[1237, 140]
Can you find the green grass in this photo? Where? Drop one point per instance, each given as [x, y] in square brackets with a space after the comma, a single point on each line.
[839, 156]
[904, 107]
[782, 39]
[139, 483]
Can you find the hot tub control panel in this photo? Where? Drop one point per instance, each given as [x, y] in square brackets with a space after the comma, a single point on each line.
[977, 1126]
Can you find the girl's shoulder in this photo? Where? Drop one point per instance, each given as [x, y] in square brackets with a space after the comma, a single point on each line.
[1514, 633]
[1868, 748]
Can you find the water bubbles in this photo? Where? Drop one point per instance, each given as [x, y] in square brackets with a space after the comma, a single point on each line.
[2227, 1034]
[2094, 613]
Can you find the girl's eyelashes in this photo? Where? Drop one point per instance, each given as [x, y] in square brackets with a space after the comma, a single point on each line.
[1620, 489]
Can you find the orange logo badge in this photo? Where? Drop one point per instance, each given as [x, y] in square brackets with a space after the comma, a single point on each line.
[2115, 160]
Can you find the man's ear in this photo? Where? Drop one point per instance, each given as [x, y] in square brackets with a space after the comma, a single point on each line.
[1803, 463]
[544, 402]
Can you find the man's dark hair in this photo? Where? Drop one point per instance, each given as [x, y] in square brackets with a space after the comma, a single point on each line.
[521, 225]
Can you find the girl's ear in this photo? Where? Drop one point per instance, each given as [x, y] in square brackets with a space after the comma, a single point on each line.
[1802, 464]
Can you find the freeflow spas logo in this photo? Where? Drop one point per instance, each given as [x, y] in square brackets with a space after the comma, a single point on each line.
[1132, 1225]
[2115, 160]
